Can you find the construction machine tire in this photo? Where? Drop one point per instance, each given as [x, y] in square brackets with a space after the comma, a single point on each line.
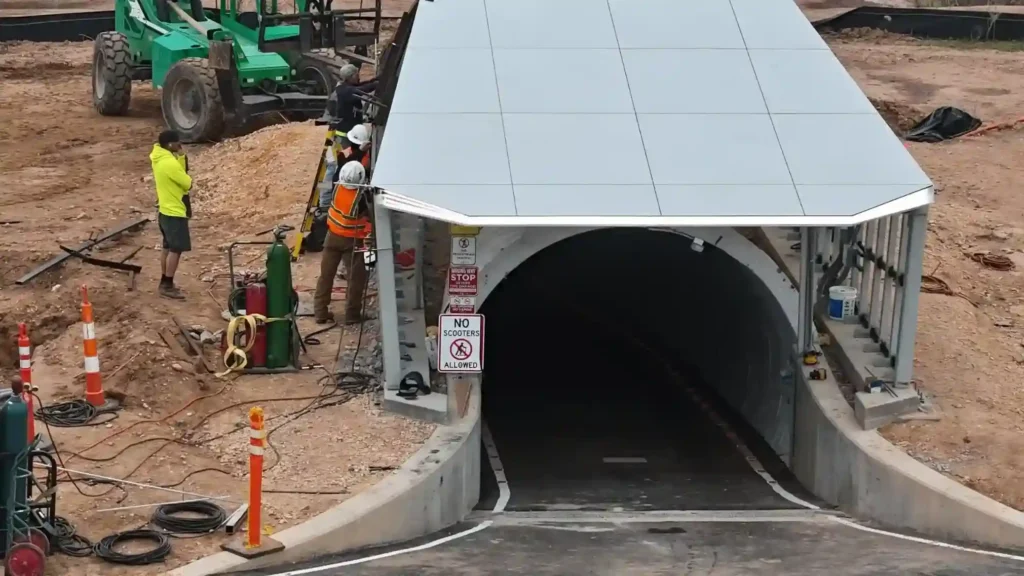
[323, 67]
[111, 74]
[191, 101]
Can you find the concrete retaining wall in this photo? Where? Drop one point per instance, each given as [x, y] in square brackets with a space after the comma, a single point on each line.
[865, 475]
[437, 487]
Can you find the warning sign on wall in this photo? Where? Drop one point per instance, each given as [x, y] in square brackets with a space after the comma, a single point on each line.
[463, 250]
[462, 305]
[462, 281]
[460, 343]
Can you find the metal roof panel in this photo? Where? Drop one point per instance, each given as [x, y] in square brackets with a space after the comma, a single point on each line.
[713, 149]
[675, 24]
[589, 200]
[452, 24]
[566, 134]
[550, 24]
[422, 92]
[443, 149]
[835, 200]
[807, 82]
[775, 24]
[572, 80]
[845, 149]
[729, 200]
[693, 81]
[575, 149]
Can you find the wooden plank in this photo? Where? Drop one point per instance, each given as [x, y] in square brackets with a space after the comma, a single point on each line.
[195, 346]
[172, 342]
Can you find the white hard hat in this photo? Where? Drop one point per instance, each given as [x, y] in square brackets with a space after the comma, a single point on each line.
[352, 173]
[359, 135]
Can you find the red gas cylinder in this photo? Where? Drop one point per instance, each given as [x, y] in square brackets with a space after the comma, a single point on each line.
[256, 303]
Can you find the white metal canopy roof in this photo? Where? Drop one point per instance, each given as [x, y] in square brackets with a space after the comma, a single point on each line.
[635, 113]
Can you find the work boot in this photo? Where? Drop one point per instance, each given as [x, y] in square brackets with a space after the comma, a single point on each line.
[171, 291]
[325, 318]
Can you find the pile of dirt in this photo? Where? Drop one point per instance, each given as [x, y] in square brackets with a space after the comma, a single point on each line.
[266, 174]
[900, 117]
[867, 34]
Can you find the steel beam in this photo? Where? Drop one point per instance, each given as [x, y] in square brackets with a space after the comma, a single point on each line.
[808, 251]
[58, 260]
[387, 298]
[917, 225]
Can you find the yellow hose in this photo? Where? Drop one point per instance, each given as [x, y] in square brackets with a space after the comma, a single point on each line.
[242, 354]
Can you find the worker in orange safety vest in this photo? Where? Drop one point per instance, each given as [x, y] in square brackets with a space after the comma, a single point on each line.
[348, 224]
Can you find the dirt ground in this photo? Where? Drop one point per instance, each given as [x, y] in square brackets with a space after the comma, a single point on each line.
[68, 174]
[970, 349]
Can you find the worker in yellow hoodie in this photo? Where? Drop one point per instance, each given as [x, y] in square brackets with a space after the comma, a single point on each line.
[170, 175]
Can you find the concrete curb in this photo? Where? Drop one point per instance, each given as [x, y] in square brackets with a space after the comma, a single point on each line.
[865, 475]
[437, 487]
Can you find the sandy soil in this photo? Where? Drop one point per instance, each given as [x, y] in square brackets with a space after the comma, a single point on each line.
[970, 351]
[69, 173]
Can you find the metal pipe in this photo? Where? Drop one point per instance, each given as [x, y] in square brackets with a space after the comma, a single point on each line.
[891, 260]
[387, 298]
[901, 275]
[869, 269]
[877, 277]
[918, 228]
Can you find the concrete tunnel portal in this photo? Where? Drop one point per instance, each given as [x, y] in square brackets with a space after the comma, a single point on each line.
[595, 341]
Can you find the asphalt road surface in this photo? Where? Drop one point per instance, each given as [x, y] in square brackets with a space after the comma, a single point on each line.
[748, 544]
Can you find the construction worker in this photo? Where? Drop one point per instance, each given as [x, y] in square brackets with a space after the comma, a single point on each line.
[348, 102]
[348, 224]
[353, 147]
[170, 175]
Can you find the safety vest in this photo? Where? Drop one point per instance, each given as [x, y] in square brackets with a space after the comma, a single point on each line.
[341, 216]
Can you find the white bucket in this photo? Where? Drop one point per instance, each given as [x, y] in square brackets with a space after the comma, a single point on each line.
[842, 302]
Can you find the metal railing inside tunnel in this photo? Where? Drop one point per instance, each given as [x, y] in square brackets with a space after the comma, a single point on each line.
[874, 268]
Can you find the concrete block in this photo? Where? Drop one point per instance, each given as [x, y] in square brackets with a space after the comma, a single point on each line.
[430, 408]
[880, 408]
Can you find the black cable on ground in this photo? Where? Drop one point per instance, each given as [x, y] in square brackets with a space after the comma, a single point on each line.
[67, 541]
[211, 517]
[60, 460]
[311, 338]
[104, 549]
[71, 414]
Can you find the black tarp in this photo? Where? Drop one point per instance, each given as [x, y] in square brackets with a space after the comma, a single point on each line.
[67, 27]
[926, 23]
[945, 123]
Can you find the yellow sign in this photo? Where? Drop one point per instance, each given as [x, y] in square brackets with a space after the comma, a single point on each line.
[458, 230]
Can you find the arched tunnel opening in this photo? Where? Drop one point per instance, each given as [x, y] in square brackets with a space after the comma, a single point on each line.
[625, 370]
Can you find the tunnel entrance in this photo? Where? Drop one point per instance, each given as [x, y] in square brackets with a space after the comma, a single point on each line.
[609, 357]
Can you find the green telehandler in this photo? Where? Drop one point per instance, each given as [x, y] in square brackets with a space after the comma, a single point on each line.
[220, 67]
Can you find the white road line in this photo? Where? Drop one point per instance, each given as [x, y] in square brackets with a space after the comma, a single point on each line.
[752, 460]
[384, 555]
[852, 524]
[499, 470]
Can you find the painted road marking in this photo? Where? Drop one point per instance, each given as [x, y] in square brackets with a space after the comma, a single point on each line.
[624, 460]
[504, 493]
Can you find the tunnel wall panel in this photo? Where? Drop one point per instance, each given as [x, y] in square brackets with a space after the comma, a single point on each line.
[746, 350]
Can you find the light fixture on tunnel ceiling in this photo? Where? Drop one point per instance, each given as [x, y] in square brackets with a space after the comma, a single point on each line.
[697, 245]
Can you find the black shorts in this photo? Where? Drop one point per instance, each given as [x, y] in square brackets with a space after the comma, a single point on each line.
[175, 232]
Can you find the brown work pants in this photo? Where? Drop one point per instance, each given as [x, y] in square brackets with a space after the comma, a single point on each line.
[338, 249]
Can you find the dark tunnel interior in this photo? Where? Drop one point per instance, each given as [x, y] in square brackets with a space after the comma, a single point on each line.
[587, 344]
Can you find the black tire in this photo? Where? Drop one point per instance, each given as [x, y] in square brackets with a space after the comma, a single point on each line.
[111, 74]
[323, 67]
[191, 101]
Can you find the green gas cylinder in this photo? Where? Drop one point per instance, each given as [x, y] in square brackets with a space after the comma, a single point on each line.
[279, 302]
[13, 443]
